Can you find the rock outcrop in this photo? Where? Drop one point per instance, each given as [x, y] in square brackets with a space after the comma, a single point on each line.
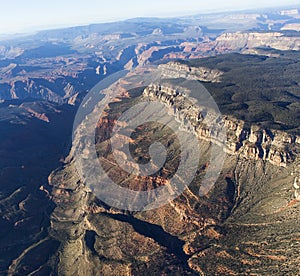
[242, 40]
[180, 70]
[191, 234]
[249, 141]
[10, 51]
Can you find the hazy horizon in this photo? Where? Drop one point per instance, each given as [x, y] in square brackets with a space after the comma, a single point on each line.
[33, 15]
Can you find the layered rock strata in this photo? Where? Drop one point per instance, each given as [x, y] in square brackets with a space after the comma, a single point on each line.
[250, 141]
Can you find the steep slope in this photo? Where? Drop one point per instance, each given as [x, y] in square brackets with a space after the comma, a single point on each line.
[247, 224]
[34, 138]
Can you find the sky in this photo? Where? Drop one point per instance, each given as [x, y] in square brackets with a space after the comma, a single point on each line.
[22, 16]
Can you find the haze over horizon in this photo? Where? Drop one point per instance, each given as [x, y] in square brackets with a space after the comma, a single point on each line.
[33, 15]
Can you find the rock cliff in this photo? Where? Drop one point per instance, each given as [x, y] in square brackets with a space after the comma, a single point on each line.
[242, 40]
[229, 232]
[180, 70]
[250, 141]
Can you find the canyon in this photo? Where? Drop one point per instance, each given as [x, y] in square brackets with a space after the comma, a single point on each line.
[246, 224]
[250, 197]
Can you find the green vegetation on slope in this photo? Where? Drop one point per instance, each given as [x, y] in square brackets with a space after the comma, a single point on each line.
[258, 89]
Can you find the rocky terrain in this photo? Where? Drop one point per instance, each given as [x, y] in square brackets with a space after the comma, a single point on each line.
[256, 196]
[248, 224]
[60, 64]
[251, 142]
[34, 139]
